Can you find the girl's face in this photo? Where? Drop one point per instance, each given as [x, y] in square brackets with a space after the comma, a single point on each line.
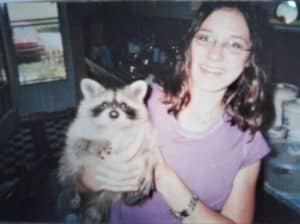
[219, 50]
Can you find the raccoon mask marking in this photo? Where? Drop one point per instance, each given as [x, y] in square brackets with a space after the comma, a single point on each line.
[114, 108]
[122, 106]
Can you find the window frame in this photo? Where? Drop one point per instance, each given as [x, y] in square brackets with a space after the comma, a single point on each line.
[62, 19]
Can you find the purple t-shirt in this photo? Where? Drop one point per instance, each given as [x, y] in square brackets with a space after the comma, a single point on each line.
[206, 162]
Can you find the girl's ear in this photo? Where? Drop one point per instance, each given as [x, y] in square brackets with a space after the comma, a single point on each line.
[90, 88]
[139, 89]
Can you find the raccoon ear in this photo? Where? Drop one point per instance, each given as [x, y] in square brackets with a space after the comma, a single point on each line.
[139, 89]
[90, 88]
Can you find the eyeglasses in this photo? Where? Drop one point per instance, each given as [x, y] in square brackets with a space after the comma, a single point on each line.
[233, 46]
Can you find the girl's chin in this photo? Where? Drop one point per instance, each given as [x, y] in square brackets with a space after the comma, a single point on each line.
[209, 86]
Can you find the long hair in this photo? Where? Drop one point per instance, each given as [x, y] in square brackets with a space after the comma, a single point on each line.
[244, 98]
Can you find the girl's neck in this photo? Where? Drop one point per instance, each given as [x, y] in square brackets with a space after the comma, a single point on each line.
[204, 109]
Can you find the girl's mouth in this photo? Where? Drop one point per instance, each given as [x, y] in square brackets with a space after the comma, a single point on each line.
[211, 70]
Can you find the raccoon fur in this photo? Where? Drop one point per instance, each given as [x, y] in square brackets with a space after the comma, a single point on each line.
[108, 121]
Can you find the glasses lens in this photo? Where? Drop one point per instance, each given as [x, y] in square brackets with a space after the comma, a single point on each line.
[237, 46]
[204, 37]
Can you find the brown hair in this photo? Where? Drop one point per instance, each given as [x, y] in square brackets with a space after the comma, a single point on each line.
[244, 98]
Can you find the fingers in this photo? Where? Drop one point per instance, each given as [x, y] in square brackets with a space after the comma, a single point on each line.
[113, 175]
[125, 188]
[122, 167]
[120, 186]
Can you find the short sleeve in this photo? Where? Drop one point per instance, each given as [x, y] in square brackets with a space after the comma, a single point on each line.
[255, 149]
[155, 104]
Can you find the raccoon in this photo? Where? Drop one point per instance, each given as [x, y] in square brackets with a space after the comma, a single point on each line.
[108, 121]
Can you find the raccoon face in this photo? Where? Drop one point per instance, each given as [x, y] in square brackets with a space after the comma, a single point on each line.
[119, 108]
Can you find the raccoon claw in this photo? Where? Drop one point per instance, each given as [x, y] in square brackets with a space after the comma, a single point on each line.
[108, 152]
[105, 152]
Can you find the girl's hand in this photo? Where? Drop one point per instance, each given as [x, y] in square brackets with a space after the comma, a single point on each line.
[113, 174]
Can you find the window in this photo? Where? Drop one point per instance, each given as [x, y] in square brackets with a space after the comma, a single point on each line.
[5, 97]
[37, 40]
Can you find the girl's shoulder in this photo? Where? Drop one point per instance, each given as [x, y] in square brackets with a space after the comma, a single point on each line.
[156, 98]
[254, 146]
[157, 91]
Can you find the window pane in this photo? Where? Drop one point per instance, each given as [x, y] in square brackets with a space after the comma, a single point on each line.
[37, 40]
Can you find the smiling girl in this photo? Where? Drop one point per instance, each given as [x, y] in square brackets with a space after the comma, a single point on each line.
[208, 126]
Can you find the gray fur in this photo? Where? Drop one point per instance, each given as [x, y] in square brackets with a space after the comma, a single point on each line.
[91, 136]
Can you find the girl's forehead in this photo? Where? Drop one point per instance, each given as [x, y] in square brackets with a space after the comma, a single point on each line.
[228, 21]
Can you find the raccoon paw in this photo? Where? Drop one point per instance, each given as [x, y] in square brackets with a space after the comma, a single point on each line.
[75, 202]
[101, 148]
[138, 197]
[107, 149]
[133, 198]
[146, 186]
[94, 216]
[82, 144]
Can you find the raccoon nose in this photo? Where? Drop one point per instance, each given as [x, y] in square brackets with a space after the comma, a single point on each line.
[113, 114]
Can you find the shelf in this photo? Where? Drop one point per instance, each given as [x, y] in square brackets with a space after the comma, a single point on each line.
[290, 200]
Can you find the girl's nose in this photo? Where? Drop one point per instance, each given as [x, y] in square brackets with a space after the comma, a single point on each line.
[216, 51]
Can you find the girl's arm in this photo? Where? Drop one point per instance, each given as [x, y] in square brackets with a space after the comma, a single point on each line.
[240, 204]
[238, 208]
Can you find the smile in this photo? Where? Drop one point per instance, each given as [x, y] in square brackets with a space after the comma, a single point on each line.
[211, 70]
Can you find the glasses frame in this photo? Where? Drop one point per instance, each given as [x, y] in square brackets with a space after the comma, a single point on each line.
[225, 45]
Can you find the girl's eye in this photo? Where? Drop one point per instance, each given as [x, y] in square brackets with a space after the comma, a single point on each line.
[203, 37]
[123, 106]
[236, 45]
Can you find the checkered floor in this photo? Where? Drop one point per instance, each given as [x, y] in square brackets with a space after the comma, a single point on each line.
[30, 143]
[55, 132]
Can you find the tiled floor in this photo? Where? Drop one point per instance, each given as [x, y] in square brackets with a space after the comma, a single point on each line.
[17, 155]
[30, 143]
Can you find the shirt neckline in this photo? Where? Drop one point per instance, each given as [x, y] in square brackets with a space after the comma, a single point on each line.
[201, 134]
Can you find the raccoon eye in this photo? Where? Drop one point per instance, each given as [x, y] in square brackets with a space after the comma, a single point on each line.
[123, 106]
[98, 109]
[103, 105]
